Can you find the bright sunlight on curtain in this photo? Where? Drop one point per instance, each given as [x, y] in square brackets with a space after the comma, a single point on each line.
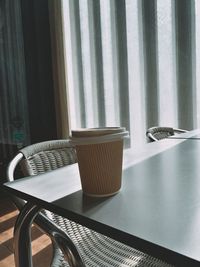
[134, 63]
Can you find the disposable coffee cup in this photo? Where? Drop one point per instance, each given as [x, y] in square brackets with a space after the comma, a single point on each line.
[100, 155]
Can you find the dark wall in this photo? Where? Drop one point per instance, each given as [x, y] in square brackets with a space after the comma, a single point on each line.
[37, 46]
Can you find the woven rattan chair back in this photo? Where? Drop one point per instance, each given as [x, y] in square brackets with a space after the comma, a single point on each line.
[95, 249]
[47, 156]
[159, 133]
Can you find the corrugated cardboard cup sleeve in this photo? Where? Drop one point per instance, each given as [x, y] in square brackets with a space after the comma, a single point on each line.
[100, 167]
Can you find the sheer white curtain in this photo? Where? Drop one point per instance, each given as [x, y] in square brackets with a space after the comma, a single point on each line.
[133, 63]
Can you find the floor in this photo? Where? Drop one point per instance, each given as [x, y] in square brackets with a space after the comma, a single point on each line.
[41, 244]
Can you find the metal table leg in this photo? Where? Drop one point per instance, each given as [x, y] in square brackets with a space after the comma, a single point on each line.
[22, 235]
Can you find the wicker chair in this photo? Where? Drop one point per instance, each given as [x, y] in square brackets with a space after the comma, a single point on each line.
[88, 247]
[158, 133]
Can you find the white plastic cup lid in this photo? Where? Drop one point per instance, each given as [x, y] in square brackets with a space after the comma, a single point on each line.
[91, 132]
[87, 136]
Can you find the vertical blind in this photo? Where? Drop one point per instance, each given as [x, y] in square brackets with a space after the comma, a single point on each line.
[14, 121]
[134, 63]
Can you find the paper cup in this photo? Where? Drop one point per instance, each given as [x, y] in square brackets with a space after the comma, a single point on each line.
[100, 154]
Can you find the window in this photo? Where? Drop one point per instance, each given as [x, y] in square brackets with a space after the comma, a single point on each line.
[132, 63]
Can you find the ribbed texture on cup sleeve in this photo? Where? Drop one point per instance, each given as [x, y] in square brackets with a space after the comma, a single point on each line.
[100, 167]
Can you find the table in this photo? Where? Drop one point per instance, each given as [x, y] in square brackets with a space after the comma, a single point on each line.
[193, 135]
[157, 210]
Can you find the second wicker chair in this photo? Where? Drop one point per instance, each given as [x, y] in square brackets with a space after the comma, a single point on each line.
[158, 133]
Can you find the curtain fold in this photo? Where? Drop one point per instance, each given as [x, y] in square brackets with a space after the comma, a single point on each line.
[185, 55]
[14, 121]
[122, 74]
[132, 63]
[58, 64]
[97, 64]
[149, 17]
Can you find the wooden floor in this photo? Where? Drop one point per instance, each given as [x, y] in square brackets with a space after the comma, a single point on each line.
[41, 244]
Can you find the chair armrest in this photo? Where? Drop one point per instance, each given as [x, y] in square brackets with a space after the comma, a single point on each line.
[61, 238]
